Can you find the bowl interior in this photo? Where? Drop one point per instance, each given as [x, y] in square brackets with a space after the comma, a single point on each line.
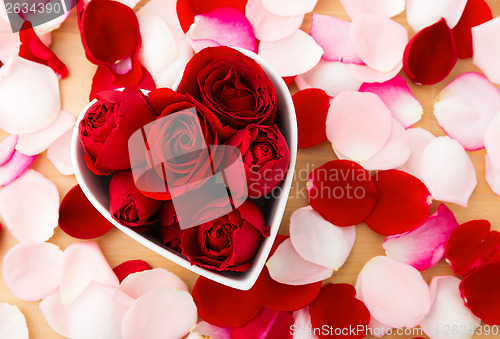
[96, 189]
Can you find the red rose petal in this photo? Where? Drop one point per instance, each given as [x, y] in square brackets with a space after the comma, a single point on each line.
[342, 192]
[188, 9]
[311, 109]
[289, 80]
[79, 218]
[403, 203]
[430, 55]
[129, 267]
[337, 307]
[470, 245]
[224, 306]
[481, 293]
[269, 324]
[475, 13]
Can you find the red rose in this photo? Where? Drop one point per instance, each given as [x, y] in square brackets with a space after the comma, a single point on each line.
[227, 243]
[107, 126]
[170, 230]
[232, 85]
[265, 156]
[128, 205]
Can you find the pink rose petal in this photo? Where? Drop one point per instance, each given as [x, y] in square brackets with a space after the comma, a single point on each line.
[286, 266]
[419, 140]
[397, 96]
[465, 108]
[331, 76]
[289, 7]
[424, 13]
[226, 25]
[268, 324]
[7, 148]
[268, 26]
[15, 167]
[365, 73]
[293, 55]
[302, 324]
[492, 141]
[448, 311]
[358, 125]
[12, 322]
[423, 246]
[386, 8]
[160, 313]
[36, 82]
[37, 142]
[59, 153]
[31, 190]
[447, 171]
[318, 241]
[492, 175]
[394, 293]
[32, 271]
[55, 313]
[204, 329]
[486, 48]
[332, 34]
[83, 262]
[137, 284]
[379, 41]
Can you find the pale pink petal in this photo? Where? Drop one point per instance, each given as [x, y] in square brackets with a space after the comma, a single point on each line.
[318, 241]
[15, 167]
[59, 153]
[9, 42]
[394, 153]
[55, 313]
[21, 79]
[332, 34]
[204, 329]
[492, 175]
[379, 41]
[386, 8]
[35, 192]
[424, 246]
[227, 26]
[288, 267]
[32, 271]
[200, 44]
[7, 148]
[12, 322]
[289, 7]
[160, 313]
[331, 76]
[122, 67]
[424, 13]
[447, 171]
[301, 325]
[37, 142]
[465, 108]
[397, 96]
[394, 293]
[83, 262]
[358, 125]
[137, 284]
[96, 313]
[486, 48]
[365, 73]
[419, 140]
[268, 26]
[448, 311]
[292, 55]
[492, 140]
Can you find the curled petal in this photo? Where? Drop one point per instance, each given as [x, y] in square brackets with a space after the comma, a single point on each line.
[137, 284]
[38, 193]
[289, 7]
[419, 140]
[430, 55]
[15, 167]
[311, 109]
[268, 324]
[492, 175]
[397, 96]
[447, 171]
[131, 266]
[465, 108]
[59, 153]
[12, 322]
[492, 140]
[424, 13]
[423, 246]
[386, 8]
[7, 148]
[292, 55]
[365, 73]
[486, 54]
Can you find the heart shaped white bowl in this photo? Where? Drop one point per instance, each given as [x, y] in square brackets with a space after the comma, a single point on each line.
[96, 189]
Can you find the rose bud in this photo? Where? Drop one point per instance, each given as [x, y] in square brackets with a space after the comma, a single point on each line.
[128, 205]
[170, 230]
[265, 156]
[232, 85]
[108, 124]
[227, 243]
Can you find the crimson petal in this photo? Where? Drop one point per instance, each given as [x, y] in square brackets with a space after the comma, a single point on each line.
[311, 109]
[430, 55]
[128, 267]
[104, 79]
[269, 324]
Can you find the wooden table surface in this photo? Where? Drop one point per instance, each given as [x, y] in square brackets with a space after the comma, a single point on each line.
[117, 247]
